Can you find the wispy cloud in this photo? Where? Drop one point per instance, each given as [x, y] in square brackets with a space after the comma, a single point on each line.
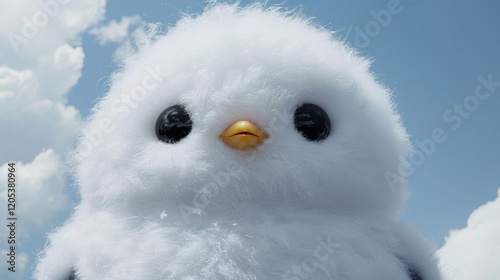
[114, 31]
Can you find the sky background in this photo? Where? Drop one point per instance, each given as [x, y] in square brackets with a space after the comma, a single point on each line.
[432, 55]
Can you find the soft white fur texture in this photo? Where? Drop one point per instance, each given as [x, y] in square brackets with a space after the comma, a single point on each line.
[198, 209]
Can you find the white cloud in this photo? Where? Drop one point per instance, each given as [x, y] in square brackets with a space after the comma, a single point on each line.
[39, 195]
[474, 251]
[31, 122]
[40, 61]
[39, 190]
[114, 31]
[37, 28]
[37, 71]
[59, 71]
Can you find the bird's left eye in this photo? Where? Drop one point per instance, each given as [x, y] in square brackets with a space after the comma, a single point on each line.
[312, 122]
[173, 124]
[414, 274]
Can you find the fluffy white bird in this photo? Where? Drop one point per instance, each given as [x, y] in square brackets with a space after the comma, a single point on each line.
[246, 143]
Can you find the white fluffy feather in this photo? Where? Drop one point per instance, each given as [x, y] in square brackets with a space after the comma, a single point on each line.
[240, 215]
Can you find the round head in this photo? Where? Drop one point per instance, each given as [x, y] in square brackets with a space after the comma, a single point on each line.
[243, 107]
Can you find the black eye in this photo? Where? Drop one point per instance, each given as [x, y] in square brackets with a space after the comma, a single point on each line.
[414, 274]
[72, 276]
[173, 124]
[312, 122]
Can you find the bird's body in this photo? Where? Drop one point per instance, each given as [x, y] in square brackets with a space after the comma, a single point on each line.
[263, 245]
[244, 144]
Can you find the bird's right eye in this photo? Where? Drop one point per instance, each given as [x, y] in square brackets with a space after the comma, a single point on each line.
[173, 124]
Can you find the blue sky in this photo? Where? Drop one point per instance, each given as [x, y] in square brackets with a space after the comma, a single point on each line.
[431, 54]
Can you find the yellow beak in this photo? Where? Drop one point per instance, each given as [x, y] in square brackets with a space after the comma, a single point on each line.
[243, 135]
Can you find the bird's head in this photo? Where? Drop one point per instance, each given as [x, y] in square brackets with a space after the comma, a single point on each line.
[244, 106]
